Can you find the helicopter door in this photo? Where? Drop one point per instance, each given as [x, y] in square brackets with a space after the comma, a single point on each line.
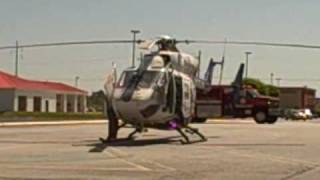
[171, 93]
[178, 95]
[187, 98]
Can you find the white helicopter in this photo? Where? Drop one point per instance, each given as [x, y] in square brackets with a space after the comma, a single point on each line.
[159, 93]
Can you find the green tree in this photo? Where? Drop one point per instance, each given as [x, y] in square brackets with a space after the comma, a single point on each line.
[272, 90]
[264, 89]
[96, 101]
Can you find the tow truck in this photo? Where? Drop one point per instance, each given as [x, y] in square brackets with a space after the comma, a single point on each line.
[233, 101]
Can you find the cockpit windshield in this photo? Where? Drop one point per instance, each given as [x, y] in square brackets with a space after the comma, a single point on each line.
[146, 81]
[125, 78]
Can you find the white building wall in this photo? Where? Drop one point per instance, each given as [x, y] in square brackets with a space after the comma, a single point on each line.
[75, 103]
[85, 108]
[29, 103]
[45, 96]
[52, 104]
[65, 103]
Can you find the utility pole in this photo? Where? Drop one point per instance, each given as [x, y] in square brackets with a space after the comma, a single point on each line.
[271, 78]
[134, 33]
[247, 62]
[17, 59]
[222, 61]
[76, 80]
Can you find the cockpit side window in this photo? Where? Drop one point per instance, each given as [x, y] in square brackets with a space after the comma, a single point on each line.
[125, 78]
[147, 80]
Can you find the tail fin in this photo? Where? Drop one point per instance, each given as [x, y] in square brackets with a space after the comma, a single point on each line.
[237, 84]
[239, 77]
[209, 72]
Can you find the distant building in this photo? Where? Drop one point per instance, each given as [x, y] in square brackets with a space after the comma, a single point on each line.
[317, 105]
[297, 97]
[18, 94]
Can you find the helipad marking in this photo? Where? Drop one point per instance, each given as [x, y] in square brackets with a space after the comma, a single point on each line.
[167, 168]
[114, 152]
[137, 166]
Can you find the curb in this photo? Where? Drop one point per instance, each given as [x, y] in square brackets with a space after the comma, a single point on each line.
[230, 121]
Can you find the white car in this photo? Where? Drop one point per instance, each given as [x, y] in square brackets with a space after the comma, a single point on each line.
[308, 113]
[301, 115]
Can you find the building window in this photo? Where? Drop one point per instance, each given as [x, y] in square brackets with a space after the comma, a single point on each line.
[37, 104]
[22, 103]
[79, 104]
[69, 107]
[47, 106]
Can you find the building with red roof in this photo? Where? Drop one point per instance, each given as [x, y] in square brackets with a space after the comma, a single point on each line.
[19, 94]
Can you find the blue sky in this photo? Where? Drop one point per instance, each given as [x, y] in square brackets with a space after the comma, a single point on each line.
[35, 21]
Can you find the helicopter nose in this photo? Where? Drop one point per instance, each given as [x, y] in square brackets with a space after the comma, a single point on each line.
[142, 94]
[139, 108]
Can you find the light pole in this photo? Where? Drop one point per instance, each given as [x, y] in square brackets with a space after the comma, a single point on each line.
[17, 59]
[76, 80]
[134, 33]
[247, 62]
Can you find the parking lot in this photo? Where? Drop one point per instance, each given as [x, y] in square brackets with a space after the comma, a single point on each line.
[236, 149]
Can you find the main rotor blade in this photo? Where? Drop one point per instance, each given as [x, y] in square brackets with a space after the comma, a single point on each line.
[72, 43]
[252, 43]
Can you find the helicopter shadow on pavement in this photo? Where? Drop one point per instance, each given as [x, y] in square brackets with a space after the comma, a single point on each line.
[99, 146]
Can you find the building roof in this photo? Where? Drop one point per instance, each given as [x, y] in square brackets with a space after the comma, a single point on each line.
[8, 81]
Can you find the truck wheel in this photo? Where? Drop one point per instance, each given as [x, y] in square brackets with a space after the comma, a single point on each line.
[260, 117]
[272, 119]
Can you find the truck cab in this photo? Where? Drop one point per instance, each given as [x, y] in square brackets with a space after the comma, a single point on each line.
[218, 101]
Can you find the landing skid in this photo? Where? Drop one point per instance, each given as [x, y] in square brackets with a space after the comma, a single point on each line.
[183, 131]
[112, 139]
[131, 135]
[114, 127]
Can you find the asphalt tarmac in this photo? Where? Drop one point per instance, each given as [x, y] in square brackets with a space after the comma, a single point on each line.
[236, 149]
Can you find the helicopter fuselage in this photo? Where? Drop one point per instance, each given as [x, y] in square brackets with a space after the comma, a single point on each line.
[165, 90]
